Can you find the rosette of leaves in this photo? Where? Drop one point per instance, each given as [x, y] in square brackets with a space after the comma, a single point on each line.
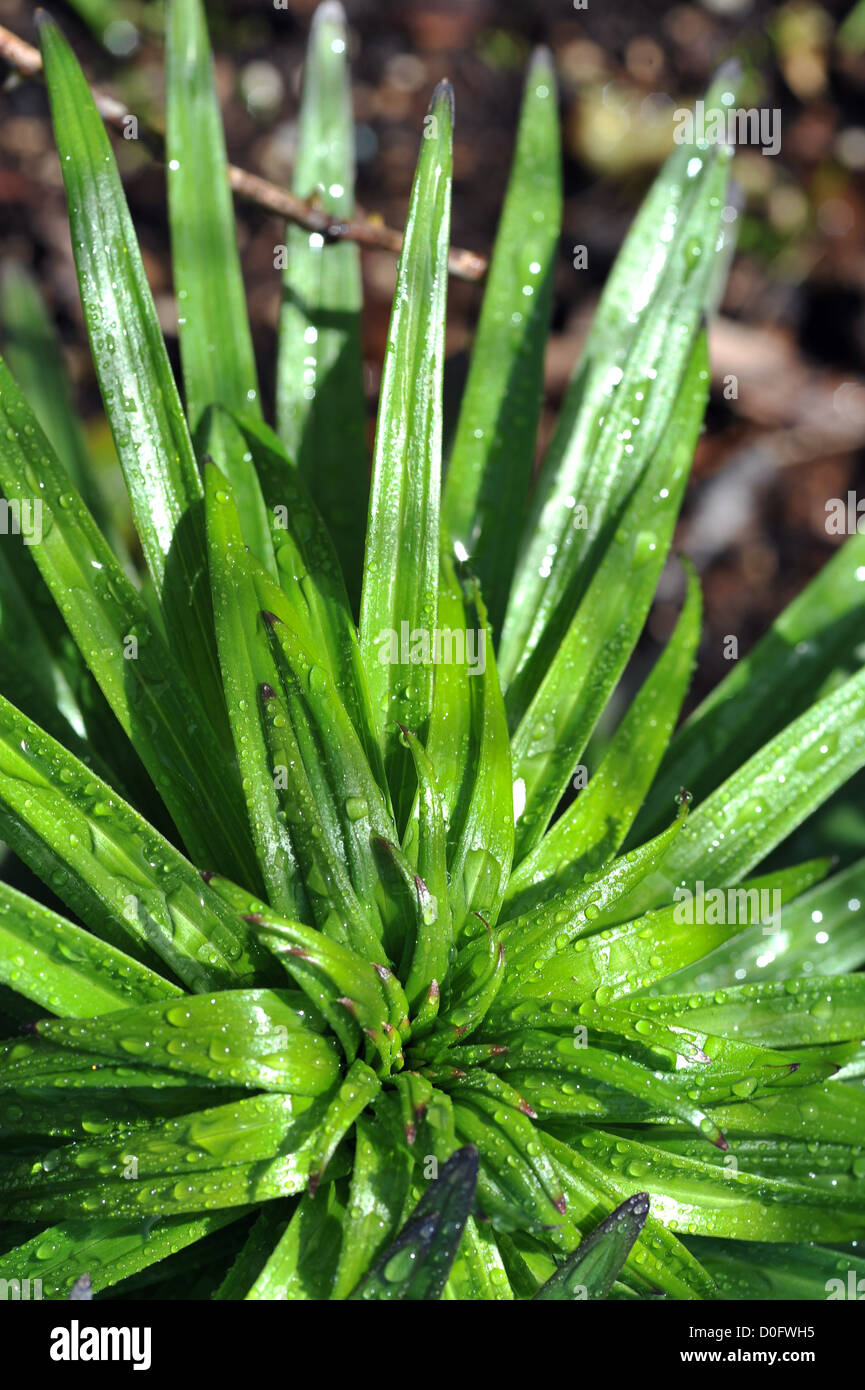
[332, 991]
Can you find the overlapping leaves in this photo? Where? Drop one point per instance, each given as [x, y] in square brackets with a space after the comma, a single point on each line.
[361, 988]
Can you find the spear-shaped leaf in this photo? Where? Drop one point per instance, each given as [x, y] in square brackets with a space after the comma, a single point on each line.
[144, 683]
[766, 798]
[491, 460]
[632, 363]
[215, 340]
[247, 663]
[319, 388]
[119, 874]
[808, 647]
[35, 358]
[310, 576]
[596, 1264]
[255, 1038]
[593, 827]
[402, 548]
[253, 1149]
[417, 1264]
[135, 378]
[583, 672]
[380, 1187]
[109, 1251]
[794, 948]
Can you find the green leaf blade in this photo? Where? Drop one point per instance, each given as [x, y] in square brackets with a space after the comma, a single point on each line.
[402, 549]
[491, 460]
[247, 664]
[66, 969]
[417, 1265]
[119, 874]
[215, 339]
[321, 412]
[810, 645]
[595, 1265]
[143, 682]
[554, 730]
[591, 830]
[632, 364]
[767, 797]
[138, 388]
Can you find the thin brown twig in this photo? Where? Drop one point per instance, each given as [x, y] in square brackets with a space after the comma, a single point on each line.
[465, 265]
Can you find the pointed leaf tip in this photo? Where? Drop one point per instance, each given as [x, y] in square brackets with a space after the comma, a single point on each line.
[444, 92]
[328, 12]
[591, 1270]
[637, 1205]
[464, 1161]
[542, 57]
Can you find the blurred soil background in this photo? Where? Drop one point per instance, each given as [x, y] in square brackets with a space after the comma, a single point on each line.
[791, 327]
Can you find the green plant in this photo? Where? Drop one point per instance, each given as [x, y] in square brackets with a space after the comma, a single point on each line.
[332, 934]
